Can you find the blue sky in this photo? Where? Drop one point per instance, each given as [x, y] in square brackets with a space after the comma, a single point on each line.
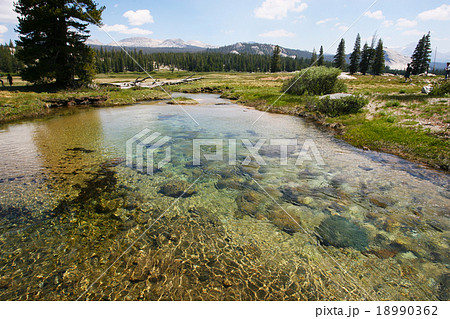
[299, 24]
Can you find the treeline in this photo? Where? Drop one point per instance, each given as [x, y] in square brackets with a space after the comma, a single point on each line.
[8, 61]
[115, 61]
[369, 59]
[364, 58]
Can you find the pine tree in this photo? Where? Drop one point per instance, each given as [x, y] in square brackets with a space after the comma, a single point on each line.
[366, 58]
[421, 57]
[314, 57]
[275, 64]
[321, 60]
[426, 58]
[339, 58]
[379, 61]
[355, 56]
[52, 36]
[416, 59]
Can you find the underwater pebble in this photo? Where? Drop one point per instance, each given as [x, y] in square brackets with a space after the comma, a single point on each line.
[177, 188]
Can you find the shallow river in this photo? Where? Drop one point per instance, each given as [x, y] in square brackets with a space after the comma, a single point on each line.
[325, 222]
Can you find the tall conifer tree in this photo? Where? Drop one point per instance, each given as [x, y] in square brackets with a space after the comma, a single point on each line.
[321, 60]
[421, 57]
[275, 64]
[339, 58]
[355, 56]
[314, 57]
[364, 66]
[379, 59]
[52, 39]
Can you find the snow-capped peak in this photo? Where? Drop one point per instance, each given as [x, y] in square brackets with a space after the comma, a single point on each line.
[141, 42]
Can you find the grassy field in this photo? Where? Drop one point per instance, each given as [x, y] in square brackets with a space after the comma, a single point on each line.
[399, 119]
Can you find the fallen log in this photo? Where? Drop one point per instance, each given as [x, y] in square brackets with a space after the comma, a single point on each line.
[139, 83]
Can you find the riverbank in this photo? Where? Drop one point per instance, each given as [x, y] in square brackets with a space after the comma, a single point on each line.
[25, 103]
[398, 120]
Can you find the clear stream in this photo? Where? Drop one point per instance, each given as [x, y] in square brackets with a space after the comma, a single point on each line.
[77, 223]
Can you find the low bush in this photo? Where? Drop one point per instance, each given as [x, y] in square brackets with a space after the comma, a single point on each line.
[441, 89]
[392, 104]
[315, 81]
[337, 107]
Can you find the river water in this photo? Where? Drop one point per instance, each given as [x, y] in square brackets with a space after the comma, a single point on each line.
[325, 222]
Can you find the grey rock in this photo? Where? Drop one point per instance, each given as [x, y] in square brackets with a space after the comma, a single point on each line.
[340, 232]
[336, 96]
[427, 89]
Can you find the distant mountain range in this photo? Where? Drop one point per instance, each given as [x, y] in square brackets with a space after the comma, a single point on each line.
[141, 42]
[440, 57]
[394, 59]
[264, 49]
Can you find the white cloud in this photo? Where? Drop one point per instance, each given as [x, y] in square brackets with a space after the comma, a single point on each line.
[378, 15]
[299, 19]
[277, 34]
[387, 23]
[413, 32]
[279, 9]
[325, 20]
[343, 28]
[7, 14]
[139, 17]
[405, 23]
[441, 13]
[120, 28]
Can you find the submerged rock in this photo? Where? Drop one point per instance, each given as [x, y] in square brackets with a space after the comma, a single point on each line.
[250, 203]
[4, 283]
[287, 222]
[228, 183]
[80, 149]
[340, 232]
[227, 283]
[294, 195]
[384, 253]
[381, 201]
[177, 189]
[444, 287]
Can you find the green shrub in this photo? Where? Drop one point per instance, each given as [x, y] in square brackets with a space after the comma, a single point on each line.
[391, 119]
[337, 107]
[315, 81]
[392, 104]
[441, 89]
